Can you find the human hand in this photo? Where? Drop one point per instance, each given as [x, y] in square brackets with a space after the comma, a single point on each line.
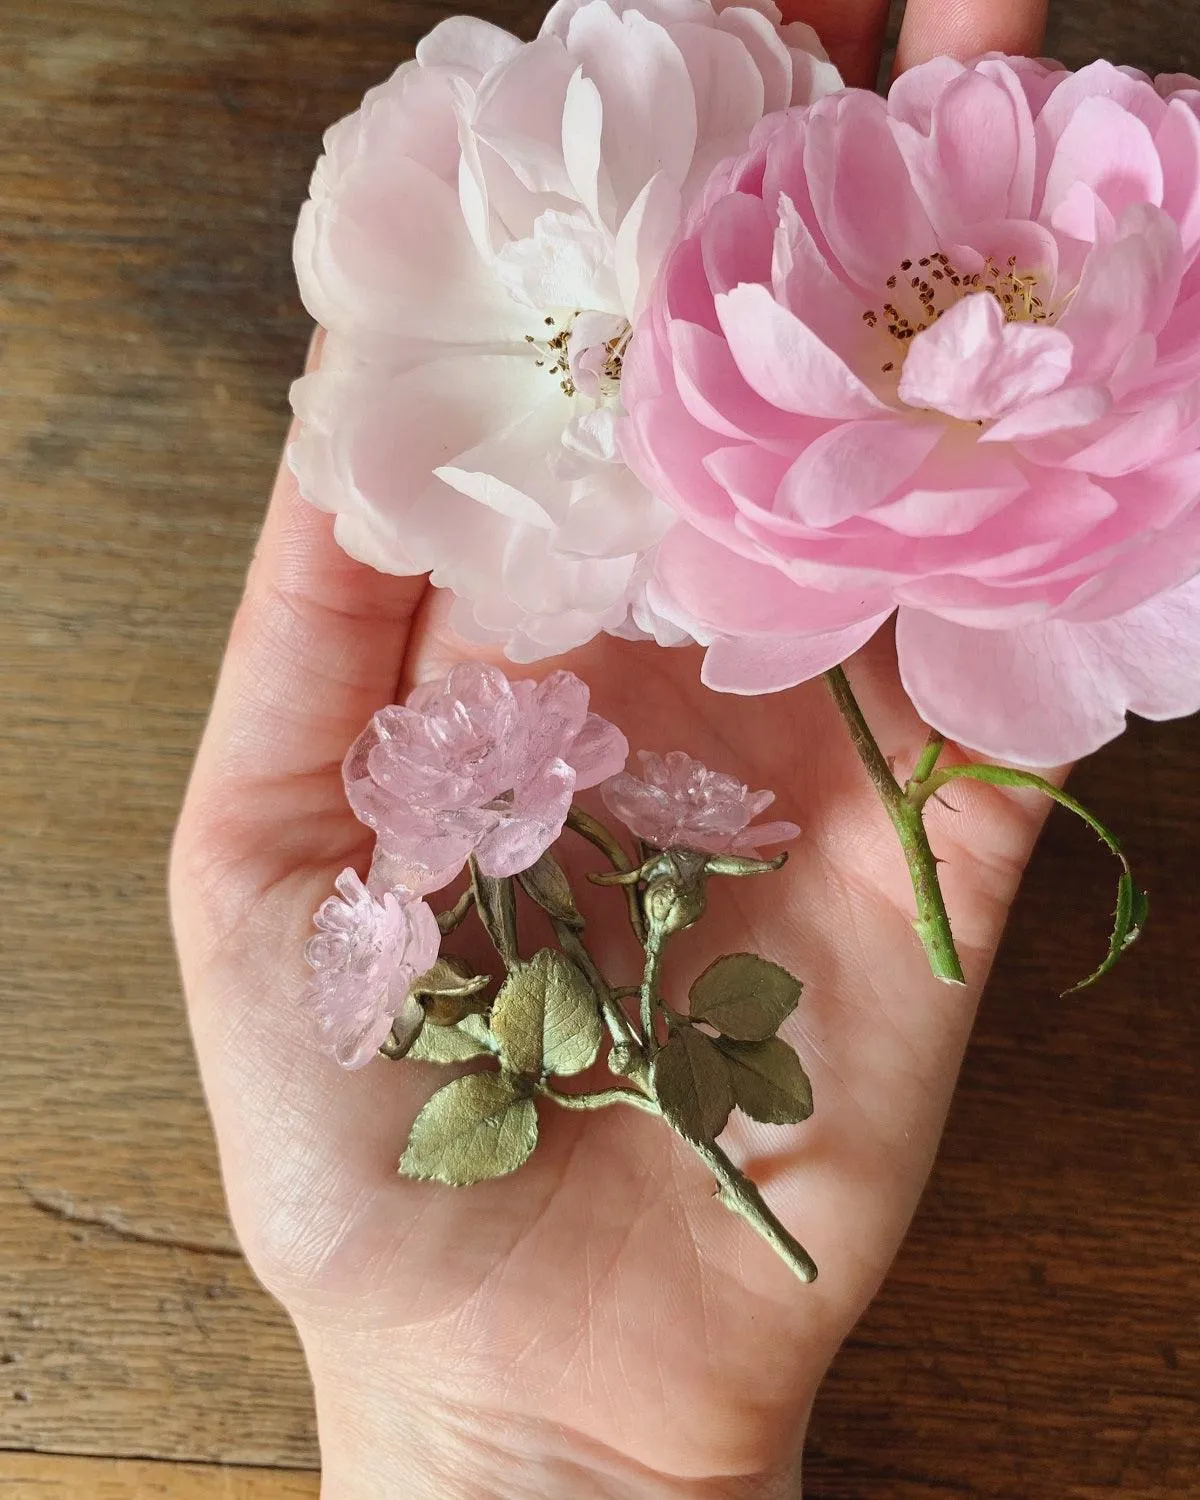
[596, 1325]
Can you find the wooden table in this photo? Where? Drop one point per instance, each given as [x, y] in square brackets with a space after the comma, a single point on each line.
[1040, 1335]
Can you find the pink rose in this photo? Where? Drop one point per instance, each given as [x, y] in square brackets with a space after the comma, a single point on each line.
[940, 354]
[678, 803]
[478, 765]
[367, 955]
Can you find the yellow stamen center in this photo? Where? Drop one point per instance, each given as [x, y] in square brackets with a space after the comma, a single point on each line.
[554, 356]
[928, 288]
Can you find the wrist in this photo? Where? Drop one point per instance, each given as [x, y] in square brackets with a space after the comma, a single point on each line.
[380, 1442]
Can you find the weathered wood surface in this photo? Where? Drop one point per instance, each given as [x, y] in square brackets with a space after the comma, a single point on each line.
[1040, 1335]
[42, 1476]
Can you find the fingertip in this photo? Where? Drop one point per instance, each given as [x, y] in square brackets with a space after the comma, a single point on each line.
[965, 29]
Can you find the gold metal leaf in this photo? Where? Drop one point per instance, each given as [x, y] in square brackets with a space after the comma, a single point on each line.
[477, 1127]
[769, 1081]
[454, 1044]
[691, 1081]
[547, 1017]
[744, 997]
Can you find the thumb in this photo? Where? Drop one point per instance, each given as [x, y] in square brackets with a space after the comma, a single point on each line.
[317, 645]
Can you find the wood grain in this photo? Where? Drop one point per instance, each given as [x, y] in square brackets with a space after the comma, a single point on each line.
[39, 1476]
[1039, 1337]
[1040, 1334]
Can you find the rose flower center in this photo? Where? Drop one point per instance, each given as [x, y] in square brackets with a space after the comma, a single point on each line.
[922, 291]
[583, 352]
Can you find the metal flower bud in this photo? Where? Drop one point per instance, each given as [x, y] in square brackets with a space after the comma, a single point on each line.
[670, 906]
[675, 896]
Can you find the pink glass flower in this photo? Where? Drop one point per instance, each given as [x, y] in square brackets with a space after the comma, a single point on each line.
[940, 354]
[479, 236]
[678, 803]
[367, 953]
[479, 765]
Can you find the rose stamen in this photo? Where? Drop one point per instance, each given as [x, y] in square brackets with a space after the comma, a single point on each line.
[943, 286]
[615, 360]
[553, 350]
[554, 353]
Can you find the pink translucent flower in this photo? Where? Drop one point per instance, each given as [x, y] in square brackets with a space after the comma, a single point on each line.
[479, 236]
[367, 954]
[940, 354]
[479, 765]
[678, 803]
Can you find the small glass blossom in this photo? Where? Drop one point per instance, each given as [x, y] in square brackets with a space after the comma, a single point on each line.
[367, 954]
[478, 765]
[678, 803]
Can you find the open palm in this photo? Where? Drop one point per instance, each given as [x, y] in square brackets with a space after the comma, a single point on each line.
[596, 1324]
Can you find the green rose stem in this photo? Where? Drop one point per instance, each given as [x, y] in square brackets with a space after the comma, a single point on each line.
[736, 1191]
[904, 807]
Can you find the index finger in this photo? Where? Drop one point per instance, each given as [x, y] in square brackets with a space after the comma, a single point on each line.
[968, 28]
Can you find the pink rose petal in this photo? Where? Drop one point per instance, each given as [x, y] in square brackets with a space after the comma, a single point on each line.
[771, 664]
[1046, 693]
[852, 468]
[785, 362]
[974, 365]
